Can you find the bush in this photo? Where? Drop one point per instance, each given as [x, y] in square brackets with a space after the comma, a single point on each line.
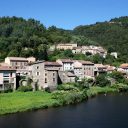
[69, 97]
[6, 91]
[102, 81]
[47, 89]
[67, 87]
[25, 88]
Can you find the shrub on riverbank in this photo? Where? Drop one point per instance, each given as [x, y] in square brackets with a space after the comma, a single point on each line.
[92, 91]
[69, 97]
[25, 88]
[121, 87]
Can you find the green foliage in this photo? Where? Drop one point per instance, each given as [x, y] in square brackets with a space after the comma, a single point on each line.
[20, 37]
[112, 35]
[102, 81]
[121, 87]
[69, 97]
[23, 101]
[13, 53]
[118, 76]
[67, 87]
[25, 88]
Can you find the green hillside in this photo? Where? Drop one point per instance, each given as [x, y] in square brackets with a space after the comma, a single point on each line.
[21, 37]
[112, 35]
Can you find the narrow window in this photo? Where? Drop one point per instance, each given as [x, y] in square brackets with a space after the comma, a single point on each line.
[37, 73]
[53, 79]
[45, 80]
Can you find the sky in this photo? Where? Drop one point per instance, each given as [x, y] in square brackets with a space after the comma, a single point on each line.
[66, 14]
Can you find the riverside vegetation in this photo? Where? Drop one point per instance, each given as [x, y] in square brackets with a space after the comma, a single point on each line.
[70, 93]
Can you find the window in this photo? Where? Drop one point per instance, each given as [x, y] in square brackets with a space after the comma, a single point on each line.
[37, 73]
[37, 67]
[5, 74]
[45, 80]
[1, 86]
[53, 79]
[45, 74]
[6, 81]
[11, 74]
[53, 74]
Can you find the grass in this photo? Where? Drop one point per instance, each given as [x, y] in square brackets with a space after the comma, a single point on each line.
[22, 101]
[92, 91]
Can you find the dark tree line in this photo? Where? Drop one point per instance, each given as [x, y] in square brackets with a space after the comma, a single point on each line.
[20, 37]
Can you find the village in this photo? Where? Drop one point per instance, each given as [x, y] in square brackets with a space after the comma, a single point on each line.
[47, 74]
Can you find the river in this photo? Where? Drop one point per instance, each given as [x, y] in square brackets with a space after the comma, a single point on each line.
[110, 111]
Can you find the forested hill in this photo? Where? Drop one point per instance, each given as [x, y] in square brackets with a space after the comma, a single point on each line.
[20, 37]
[113, 35]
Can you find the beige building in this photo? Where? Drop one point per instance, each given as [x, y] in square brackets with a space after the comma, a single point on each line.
[31, 59]
[77, 50]
[67, 64]
[100, 68]
[19, 63]
[66, 46]
[7, 78]
[86, 69]
[16, 62]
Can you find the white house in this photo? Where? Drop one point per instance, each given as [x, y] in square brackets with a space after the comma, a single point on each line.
[7, 78]
[67, 64]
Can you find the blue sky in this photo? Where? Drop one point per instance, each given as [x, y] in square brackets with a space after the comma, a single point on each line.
[65, 14]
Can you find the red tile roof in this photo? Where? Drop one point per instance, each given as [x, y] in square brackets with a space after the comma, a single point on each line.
[7, 68]
[66, 60]
[85, 62]
[125, 65]
[48, 63]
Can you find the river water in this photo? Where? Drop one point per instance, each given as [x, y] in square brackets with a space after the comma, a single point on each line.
[110, 111]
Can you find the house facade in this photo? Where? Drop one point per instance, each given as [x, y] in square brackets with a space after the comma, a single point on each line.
[45, 74]
[66, 46]
[88, 69]
[7, 78]
[19, 63]
[67, 64]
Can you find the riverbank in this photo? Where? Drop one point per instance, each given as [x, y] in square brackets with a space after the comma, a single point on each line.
[24, 101]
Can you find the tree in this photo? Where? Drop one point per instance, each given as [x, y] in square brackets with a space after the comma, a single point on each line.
[118, 76]
[13, 53]
[68, 53]
[102, 81]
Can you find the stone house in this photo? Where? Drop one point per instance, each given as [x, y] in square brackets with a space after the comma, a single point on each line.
[78, 69]
[38, 74]
[87, 69]
[7, 78]
[67, 77]
[45, 73]
[100, 69]
[77, 50]
[67, 64]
